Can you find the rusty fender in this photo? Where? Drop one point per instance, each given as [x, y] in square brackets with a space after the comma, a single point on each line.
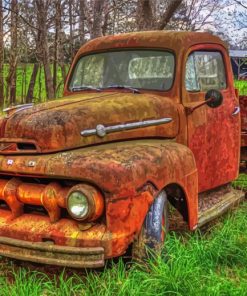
[122, 172]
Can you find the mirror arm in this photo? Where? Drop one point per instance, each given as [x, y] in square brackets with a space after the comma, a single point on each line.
[190, 110]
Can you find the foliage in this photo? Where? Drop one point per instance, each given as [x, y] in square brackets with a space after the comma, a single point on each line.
[24, 72]
[241, 85]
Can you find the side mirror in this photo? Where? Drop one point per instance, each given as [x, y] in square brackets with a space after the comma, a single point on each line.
[213, 98]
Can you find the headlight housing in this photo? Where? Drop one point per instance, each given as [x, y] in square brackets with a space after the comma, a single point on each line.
[84, 202]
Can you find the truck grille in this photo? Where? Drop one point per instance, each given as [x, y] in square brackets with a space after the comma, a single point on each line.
[22, 197]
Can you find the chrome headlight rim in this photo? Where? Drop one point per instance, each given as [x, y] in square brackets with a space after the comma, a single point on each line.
[94, 199]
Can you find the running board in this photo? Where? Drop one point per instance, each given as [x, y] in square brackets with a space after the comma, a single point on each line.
[219, 206]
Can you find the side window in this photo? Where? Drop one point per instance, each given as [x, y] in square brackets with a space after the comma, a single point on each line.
[204, 71]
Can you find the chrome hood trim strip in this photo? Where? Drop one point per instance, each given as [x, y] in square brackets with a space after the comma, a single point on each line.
[102, 130]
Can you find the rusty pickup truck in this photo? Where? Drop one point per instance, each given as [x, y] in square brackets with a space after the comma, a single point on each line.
[147, 119]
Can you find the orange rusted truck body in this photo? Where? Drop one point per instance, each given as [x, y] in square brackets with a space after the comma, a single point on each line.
[45, 155]
[243, 106]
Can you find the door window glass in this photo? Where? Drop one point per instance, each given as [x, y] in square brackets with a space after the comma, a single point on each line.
[204, 71]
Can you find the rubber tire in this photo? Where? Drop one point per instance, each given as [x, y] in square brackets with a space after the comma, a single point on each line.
[154, 229]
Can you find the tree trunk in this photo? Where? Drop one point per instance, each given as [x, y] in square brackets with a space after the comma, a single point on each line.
[81, 23]
[71, 39]
[147, 18]
[29, 96]
[168, 14]
[98, 18]
[56, 42]
[1, 58]
[42, 42]
[145, 15]
[13, 54]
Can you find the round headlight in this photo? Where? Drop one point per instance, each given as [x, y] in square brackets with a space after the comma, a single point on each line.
[84, 202]
[78, 205]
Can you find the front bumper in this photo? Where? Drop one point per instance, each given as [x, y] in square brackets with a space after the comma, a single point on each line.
[51, 254]
[32, 237]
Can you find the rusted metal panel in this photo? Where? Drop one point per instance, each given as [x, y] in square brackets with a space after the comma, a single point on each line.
[122, 172]
[214, 133]
[113, 238]
[215, 203]
[57, 126]
[16, 193]
[118, 169]
[243, 106]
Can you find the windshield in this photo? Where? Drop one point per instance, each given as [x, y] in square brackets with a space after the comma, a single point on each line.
[144, 69]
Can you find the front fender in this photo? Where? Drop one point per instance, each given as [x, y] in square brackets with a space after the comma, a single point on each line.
[121, 171]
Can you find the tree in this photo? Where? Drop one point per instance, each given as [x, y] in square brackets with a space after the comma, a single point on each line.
[11, 79]
[42, 8]
[150, 16]
[49, 32]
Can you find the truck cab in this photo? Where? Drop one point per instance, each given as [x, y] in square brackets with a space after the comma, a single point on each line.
[147, 119]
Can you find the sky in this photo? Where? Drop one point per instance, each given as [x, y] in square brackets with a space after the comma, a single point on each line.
[231, 21]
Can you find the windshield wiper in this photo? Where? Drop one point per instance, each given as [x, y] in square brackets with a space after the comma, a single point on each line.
[134, 90]
[78, 88]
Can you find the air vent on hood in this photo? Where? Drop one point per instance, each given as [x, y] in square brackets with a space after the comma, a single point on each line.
[26, 146]
[15, 147]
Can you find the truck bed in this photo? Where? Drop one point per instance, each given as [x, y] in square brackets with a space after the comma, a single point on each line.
[243, 106]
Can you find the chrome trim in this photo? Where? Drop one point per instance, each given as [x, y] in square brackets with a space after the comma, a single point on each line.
[18, 107]
[102, 130]
[236, 111]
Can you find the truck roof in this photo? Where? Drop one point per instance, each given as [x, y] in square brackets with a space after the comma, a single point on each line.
[174, 40]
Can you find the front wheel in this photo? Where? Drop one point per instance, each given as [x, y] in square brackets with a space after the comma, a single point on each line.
[154, 229]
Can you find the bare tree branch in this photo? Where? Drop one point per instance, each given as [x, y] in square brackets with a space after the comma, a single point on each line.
[240, 3]
[172, 7]
[20, 16]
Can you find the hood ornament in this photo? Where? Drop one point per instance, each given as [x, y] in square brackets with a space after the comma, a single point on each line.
[102, 130]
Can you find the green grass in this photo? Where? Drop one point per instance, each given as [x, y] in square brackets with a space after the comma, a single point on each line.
[241, 85]
[209, 263]
[241, 182]
[23, 75]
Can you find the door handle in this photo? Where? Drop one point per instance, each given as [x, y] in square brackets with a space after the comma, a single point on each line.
[236, 111]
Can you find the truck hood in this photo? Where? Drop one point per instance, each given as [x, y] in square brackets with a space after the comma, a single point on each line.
[57, 125]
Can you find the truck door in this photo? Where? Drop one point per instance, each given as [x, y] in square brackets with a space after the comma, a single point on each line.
[213, 133]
